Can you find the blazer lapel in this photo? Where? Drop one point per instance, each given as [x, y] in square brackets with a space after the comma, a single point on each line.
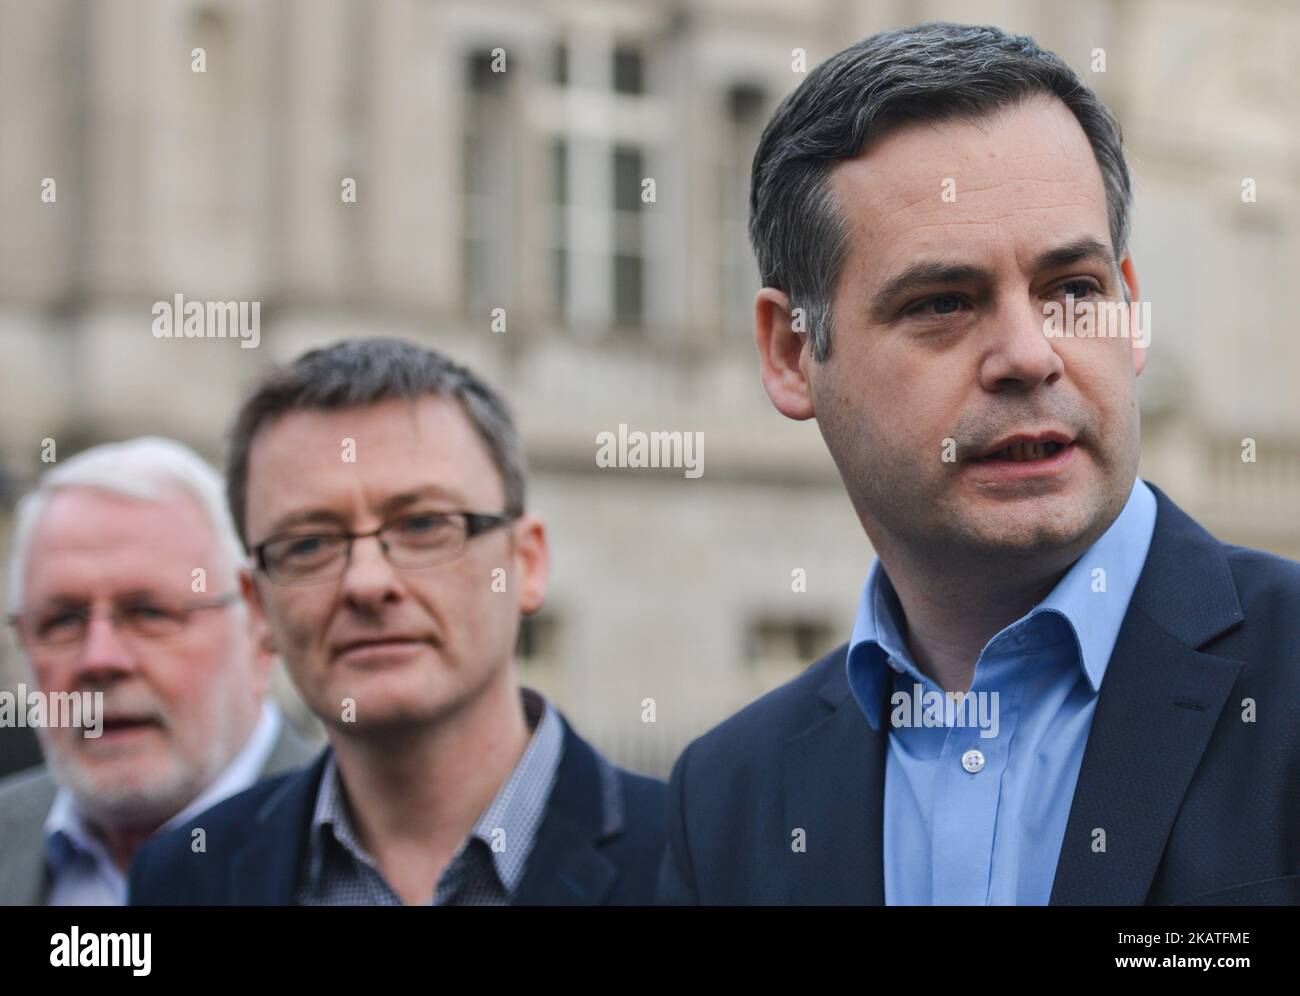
[564, 869]
[1157, 709]
[24, 871]
[265, 871]
[585, 807]
[834, 790]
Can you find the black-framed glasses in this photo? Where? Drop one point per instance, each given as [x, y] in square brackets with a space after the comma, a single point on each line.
[146, 618]
[425, 539]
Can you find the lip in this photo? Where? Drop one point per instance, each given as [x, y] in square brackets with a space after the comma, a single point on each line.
[361, 651]
[1050, 436]
[1019, 470]
[130, 729]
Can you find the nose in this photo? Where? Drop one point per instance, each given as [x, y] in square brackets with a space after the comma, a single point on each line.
[103, 653]
[369, 580]
[1020, 355]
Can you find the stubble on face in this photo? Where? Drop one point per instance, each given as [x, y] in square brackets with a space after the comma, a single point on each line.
[902, 393]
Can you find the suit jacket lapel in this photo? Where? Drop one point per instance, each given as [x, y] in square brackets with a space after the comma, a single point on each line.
[24, 871]
[585, 807]
[265, 871]
[1158, 706]
[834, 790]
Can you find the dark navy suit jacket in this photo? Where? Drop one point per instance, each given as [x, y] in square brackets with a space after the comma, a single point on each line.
[599, 843]
[1198, 806]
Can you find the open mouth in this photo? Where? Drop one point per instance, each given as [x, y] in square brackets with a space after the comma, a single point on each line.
[1024, 452]
[121, 725]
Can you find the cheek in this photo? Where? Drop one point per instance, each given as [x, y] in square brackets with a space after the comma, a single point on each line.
[468, 600]
[197, 682]
[469, 605]
[54, 677]
[1104, 373]
[298, 619]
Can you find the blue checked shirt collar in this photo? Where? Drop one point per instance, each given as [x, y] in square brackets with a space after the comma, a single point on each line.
[516, 811]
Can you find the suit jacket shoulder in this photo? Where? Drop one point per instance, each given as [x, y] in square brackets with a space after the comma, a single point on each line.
[598, 844]
[1192, 758]
[263, 828]
[760, 806]
[602, 836]
[25, 801]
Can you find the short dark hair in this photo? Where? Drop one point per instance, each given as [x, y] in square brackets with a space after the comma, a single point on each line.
[931, 72]
[359, 372]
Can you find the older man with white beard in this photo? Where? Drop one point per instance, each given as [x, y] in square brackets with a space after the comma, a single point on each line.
[125, 584]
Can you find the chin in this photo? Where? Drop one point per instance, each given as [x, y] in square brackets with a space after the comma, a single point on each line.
[134, 791]
[1031, 533]
[390, 702]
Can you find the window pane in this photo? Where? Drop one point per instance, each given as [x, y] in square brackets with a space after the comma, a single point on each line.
[560, 64]
[629, 70]
[629, 171]
[628, 279]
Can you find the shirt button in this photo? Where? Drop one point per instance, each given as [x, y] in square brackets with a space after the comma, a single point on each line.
[973, 761]
[895, 665]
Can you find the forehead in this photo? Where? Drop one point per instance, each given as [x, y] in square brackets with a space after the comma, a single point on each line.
[312, 458]
[89, 540]
[1018, 180]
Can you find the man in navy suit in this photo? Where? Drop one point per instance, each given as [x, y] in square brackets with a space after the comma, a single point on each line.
[1059, 688]
[380, 489]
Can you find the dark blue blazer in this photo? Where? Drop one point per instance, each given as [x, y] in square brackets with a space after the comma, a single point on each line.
[599, 843]
[1198, 806]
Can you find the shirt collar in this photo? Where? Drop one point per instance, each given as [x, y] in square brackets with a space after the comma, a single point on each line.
[520, 802]
[517, 808]
[1092, 598]
[68, 832]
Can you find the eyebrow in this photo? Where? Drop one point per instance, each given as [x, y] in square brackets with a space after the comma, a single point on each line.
[408, 498]
[307, 517]
[133, 595]
[931, 273]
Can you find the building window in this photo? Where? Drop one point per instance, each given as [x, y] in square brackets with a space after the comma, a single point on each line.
[487, 186]
[629, 253]
[598, 242]
[778, 649]
[559, 247]
[560, 64]
[538, 643]
[629, 70]
[738, 278]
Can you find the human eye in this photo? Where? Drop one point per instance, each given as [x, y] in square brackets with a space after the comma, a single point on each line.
[307, 548]
[146, 612]
[57, 621]
[424, 527]
[935, 306]
[1079, 287]
[151, 619]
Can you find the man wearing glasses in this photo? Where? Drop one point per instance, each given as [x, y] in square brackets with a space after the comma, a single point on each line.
[380, 489]
[124, 589]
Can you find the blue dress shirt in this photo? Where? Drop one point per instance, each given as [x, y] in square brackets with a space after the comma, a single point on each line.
[978, 792]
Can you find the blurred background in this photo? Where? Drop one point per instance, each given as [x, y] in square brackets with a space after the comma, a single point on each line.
[522, 190]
